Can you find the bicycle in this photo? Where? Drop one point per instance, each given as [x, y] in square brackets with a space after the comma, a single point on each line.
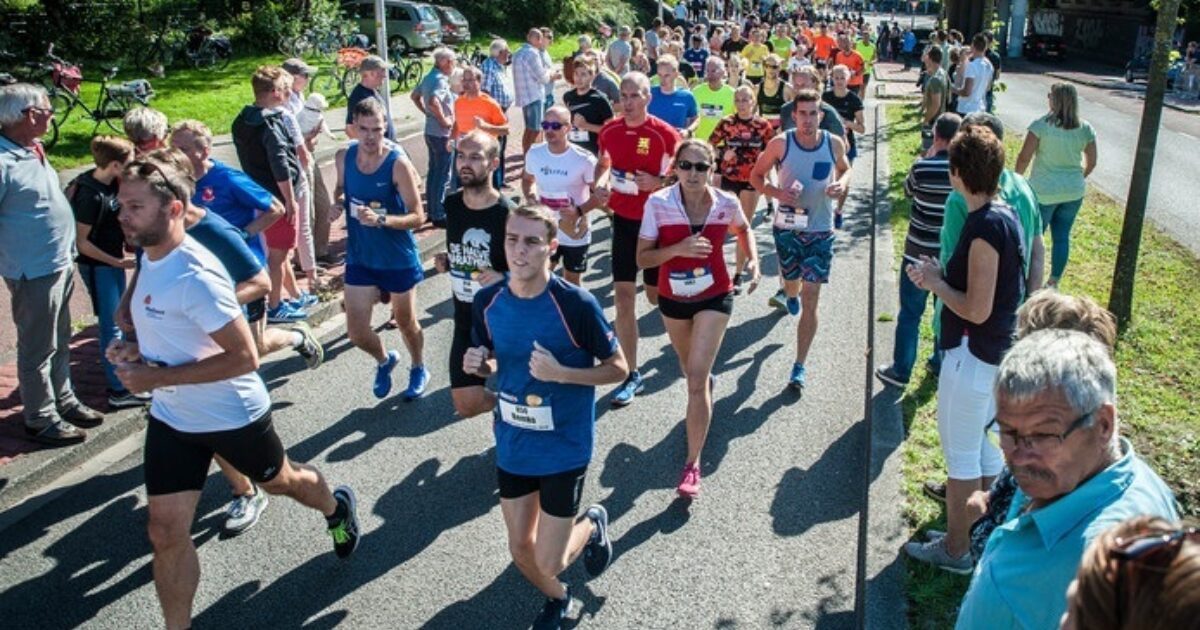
[204, 48]
[406, 73]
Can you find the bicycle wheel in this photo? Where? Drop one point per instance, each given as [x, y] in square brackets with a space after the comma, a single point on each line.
[349, 80]
[62, 111]
[412, 74]
[329, 84]
[113, 109]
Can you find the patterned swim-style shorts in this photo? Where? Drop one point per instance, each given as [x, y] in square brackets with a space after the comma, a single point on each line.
[804, 255]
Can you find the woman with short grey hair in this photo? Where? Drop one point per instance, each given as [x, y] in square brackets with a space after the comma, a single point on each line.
[19, 98]
[147, 129]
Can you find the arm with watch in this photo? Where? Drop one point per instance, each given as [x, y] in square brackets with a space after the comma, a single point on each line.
[264, 220]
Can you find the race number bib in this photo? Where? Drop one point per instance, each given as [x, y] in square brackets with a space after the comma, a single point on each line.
[464, 285]
[712, 111]
[623, 182]
[555, 200]
[690, 282]
[530, 412]
[577, 135]
[791, 219]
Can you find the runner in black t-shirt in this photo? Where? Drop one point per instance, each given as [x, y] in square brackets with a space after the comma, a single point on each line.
[589, 108]
[734, 44]
[475, 217]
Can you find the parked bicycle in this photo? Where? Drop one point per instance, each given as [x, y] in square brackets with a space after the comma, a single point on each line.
[344, 74]
[325, 42]
[205, 48]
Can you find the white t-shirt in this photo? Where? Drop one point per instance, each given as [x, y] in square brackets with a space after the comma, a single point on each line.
[179, 301]
[981, 71]
[563, 179]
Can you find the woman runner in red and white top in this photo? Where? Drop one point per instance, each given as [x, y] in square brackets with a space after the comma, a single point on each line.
[683, 229]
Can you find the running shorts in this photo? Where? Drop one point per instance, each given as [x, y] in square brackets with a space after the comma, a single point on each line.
[175, 461]
[687, 310]
[559, 494]
[804, 255]
[734, 186]
[573, 257]
[389, 280]
[624, 253]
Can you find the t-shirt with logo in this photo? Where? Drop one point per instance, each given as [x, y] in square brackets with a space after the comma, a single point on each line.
[647, 147]
[675, 108]
[714, 105]
[755, 54]
[746, 138]
[563, 180]
[179, 301]
[235, 197]
[595, 109]
[542, 428]
[474, 242]
[686, 279]
[697, 57]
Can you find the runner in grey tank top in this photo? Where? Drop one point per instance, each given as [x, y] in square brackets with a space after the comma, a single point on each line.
[813, 170]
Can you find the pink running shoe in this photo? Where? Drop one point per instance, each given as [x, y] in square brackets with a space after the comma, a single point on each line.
[689, 483]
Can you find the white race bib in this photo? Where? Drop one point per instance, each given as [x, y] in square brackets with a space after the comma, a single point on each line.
[713, 111]
[623, 182]
[577, 135]
[791, 219]
[554, 200]
[690, 282]
[534, 415]
[464, 285]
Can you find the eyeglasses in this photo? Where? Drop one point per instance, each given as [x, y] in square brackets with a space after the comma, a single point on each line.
[550, 125]
[44, 111]
[771, 67]
[1153, 551]
[1034, 442]
[701, 167]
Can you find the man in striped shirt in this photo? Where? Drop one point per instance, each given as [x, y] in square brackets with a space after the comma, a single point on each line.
[928, 184]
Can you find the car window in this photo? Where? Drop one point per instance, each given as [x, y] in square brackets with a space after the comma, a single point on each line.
[455, 16]
[399, 14]
[427, 15]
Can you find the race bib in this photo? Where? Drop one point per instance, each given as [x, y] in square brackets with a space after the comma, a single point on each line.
[464, 285]
[690, 282]
[623, 182]
[531, 413]
[577, 135]
[555, 200]
[791, 219]
[757, 66]
[713, 111]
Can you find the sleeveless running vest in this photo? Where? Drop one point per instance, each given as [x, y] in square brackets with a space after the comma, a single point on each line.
[813, 169]
[373, 247]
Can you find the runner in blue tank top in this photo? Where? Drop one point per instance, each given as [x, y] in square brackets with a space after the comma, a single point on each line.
[377, 186]
[813, 173]
[542, 338]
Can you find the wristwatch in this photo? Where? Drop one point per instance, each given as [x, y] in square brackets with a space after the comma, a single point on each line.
[380, 219]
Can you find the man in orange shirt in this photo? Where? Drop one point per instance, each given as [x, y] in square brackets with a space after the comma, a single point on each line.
[847, 56]
[823, 44]
[475, 109]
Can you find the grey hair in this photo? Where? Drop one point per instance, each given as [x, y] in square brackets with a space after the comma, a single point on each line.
[441, 52]
[715, 61]
[16, 98]
[1067, 361]
[640, 80]
[145, 123]
[498, 44]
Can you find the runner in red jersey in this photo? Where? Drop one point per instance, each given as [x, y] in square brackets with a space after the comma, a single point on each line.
[682, 235]
[635, 150]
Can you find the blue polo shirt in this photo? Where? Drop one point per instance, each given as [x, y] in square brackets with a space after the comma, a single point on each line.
[675, 108]
[1021, 579]
[235, 197]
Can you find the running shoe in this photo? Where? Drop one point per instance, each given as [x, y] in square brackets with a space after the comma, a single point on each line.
[305, 300]
[888, 375]
[837, 220]
[779, 300]
[934, 552]
[311, 348]
[418, 379]
[345, 532]
[243, 511]
[631, 387]
[935, 490]
[689, 482]
[793, 306]
[554, 612]
[285, 313]
[597, 555]
[383, 375]
[797, 380]
[125, 399]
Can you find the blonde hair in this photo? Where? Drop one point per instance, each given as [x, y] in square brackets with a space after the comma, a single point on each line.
[270, 78]
[109, 149]
[1051, 309]
[1064, 106]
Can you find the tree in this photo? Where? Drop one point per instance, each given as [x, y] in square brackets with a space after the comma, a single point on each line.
[1120, 300]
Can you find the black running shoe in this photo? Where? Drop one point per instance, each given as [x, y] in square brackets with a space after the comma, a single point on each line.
[554, 612]
[345, 533]
[597, 555]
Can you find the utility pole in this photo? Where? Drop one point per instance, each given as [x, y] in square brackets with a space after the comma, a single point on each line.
[1120, 300]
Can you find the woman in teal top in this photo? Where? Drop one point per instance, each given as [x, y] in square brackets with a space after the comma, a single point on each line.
[1054, 144]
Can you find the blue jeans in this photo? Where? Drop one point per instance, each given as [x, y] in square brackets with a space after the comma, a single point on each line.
[908, 325]
[440, 163]
[1058, 218]
[105, 285]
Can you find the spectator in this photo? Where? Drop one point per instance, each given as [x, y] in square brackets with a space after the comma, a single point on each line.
[933, 95]
[473, 109]
[146, 128]
[1143, 573]
[529, 84]
[315, 230]
[908, 47]
[304, 237]
[102, 260]
[604, 80]
[492, 83]
[548, 64]
[436, 101]
[372, 71]
[973, 78]
[1053, 144]
[652, 39]
[993, 58]
[37, 245]
[1057, 422]
[619, 52]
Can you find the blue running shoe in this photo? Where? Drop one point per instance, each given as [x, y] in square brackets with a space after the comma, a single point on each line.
[597, 555]
[631, 387]
[793, 306]
[383, 375]
[554, 612]
[418, 378]
[285, 313]
[305, 300]
[797, 379]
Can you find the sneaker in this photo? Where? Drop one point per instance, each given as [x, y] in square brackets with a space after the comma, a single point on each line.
[631, 387]
[793, 306]
[243, 511]
[126, 399]
[837, 220]
[345, 533]
[285, 313]
[598, 553]
[311, 349]
[779, 300]
[934, 490]
[887, 374]
[689, 482]
[934, 552]
[934, 534]
[797, 380]
[383, 375]
[305, 300]
[554, 612]
[418, 378]
[737, 284]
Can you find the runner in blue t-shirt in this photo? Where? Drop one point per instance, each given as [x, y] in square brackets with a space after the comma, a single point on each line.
[377, 185]
[676, 107]
[542, 337]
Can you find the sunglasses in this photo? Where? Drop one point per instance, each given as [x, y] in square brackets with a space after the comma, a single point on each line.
[685, 165]
[1154, 551]
[145, 169]
[550, 125]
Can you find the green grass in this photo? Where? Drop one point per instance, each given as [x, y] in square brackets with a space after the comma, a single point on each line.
[1158, 362]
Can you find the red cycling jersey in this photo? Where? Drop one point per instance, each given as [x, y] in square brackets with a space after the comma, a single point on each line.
[647, 147]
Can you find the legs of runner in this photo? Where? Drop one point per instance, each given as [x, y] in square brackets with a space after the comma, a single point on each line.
[176, 565]
[239, 483]
[542, 545]
[626, 324]
[696, 341]
[404, 311]
[304, 484]
[806, 330]
[359, 302]
[269, 340]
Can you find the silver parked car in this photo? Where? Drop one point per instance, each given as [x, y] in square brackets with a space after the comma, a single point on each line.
[455, 27]
[411, 26]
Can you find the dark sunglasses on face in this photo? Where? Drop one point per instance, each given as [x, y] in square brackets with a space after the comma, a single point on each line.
[685, 165]
[550, 125]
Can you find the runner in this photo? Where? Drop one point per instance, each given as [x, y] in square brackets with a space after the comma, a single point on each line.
[714, 98]
[850, 108]
[754, 53]
[866, 49]
[541, 338]
[673, 105]
[637, 148]
[195, 353]
[563, 174]
[813, 170]
[381, 253]
[847, 56]
[682, 236]
[771, 91]
[738, 141]
[589, 107]
[474, 256]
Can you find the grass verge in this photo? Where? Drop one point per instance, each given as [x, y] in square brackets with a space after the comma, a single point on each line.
[1157, 358]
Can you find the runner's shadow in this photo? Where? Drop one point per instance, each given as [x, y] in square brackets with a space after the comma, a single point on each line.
[510, 601]
[391, 418]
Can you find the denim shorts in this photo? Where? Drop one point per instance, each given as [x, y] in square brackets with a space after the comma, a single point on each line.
[534, 113]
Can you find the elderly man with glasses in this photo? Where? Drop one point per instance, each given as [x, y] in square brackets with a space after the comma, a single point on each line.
[1057, 425]
[37, 248]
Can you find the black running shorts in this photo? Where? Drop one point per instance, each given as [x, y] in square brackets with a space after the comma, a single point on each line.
[624, 253]
[559, 494]
[175, 461]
